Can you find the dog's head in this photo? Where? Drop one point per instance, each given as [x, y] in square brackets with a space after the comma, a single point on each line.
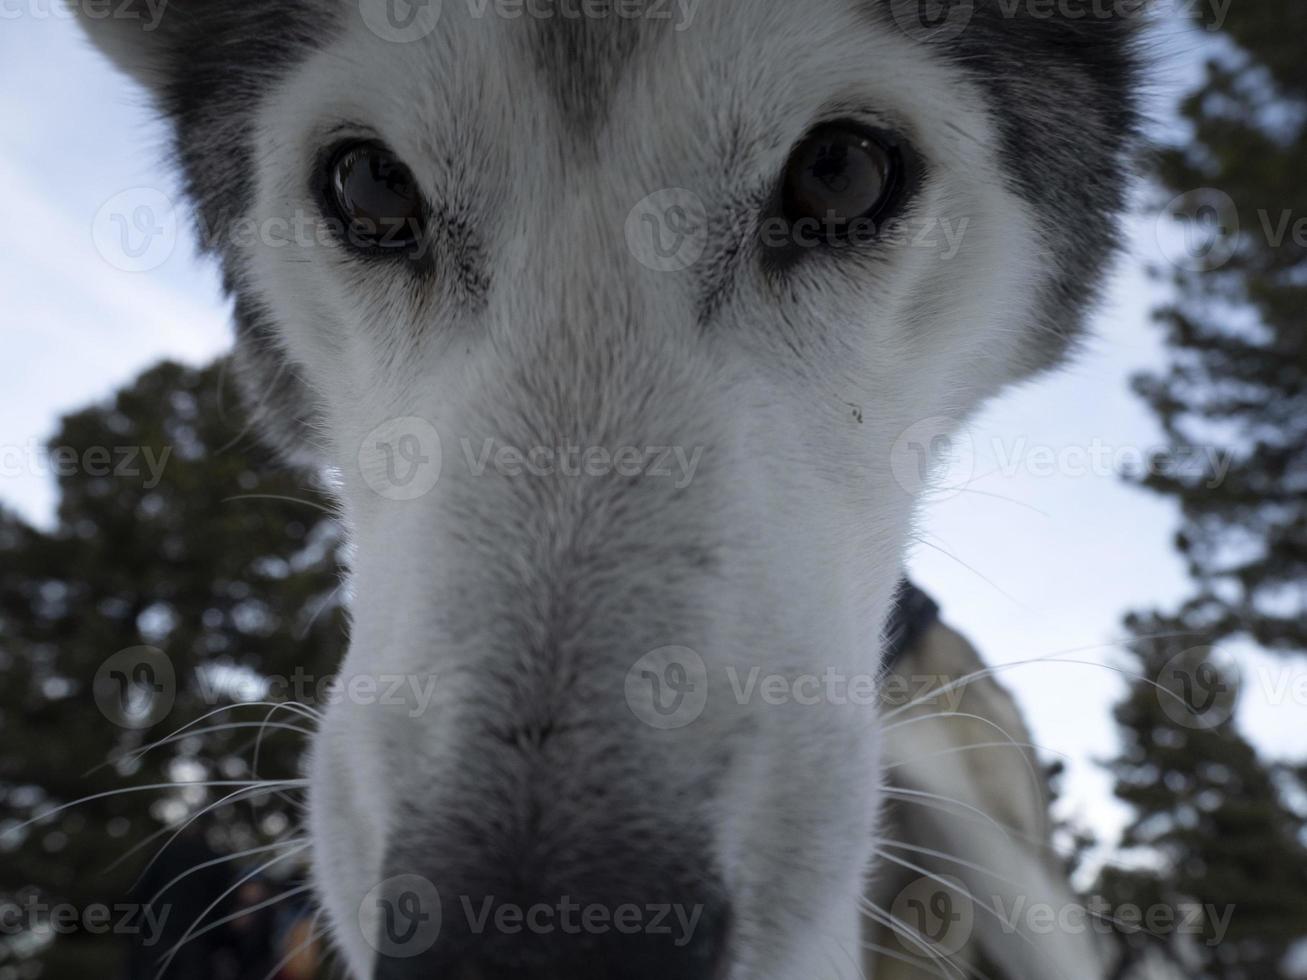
[628, 329]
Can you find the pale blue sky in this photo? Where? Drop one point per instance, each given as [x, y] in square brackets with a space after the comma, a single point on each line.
[1028, 566]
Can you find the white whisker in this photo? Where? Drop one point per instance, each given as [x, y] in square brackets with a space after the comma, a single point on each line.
[225, 859]
[924, 798]
[1035, 780]
[315, 935]
[153, 787]
[906, 933]
[191, 933]
[1052, 658]
[288, 705]
[249, 790]
[965, 892]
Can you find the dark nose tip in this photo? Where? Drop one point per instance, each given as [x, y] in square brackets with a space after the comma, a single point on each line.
[569, 938]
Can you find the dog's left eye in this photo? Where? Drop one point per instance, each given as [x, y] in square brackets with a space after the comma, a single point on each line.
[842, 173]
[376, 196]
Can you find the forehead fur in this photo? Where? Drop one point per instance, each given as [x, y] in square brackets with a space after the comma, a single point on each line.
[1059, 90]
[1060, 85]
[579, 59]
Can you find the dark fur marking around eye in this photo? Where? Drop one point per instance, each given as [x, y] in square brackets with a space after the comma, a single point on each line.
[1027, 64]
[223, 60]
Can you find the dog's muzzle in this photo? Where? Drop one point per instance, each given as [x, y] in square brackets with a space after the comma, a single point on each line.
[639, 930]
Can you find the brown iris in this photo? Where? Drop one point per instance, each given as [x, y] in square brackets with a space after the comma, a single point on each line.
[839, 174]
[377, 197]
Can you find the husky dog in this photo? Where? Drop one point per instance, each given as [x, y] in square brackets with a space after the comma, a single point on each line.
[966, 837]
[629, 330]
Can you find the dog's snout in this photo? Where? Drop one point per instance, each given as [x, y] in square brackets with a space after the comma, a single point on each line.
[640, 931]
[616, 958]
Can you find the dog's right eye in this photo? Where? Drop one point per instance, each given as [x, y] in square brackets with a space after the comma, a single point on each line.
[377, 198]
[842, 174]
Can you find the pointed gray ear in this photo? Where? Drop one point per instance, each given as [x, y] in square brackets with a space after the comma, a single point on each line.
[136, 35]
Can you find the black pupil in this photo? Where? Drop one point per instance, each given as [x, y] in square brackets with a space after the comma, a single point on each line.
[838, 175]
[378, 197]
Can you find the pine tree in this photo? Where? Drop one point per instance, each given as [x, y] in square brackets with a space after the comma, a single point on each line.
[1214, 823]
[1235, 393]
[174, 532]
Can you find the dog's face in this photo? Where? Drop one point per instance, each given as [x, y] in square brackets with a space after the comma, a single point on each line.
[624, 328]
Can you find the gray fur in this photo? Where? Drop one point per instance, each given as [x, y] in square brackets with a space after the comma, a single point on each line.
[213, 62]
[532, 321]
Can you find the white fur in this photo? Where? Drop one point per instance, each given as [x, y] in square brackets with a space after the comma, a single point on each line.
[797, 490]
[805, 591]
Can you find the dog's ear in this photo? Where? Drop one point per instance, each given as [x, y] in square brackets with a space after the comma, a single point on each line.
[138, 36]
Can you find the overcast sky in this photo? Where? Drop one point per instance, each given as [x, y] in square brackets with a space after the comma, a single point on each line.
[1041, 553]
